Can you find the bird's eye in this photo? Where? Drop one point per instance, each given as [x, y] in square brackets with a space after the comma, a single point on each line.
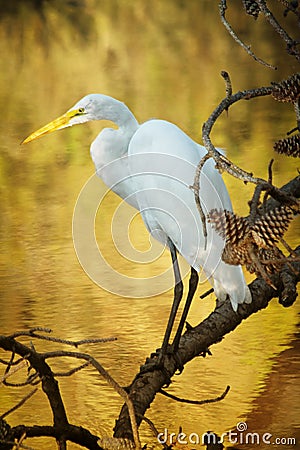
[81, 110]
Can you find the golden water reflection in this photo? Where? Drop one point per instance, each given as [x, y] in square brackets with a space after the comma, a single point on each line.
[167, 66]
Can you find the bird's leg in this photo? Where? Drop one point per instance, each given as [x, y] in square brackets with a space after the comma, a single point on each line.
[193, 283]
[178, 292]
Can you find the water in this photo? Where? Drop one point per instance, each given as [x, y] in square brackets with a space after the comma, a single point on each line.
[167, 66]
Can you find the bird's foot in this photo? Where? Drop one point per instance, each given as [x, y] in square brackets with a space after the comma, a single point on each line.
[154, 362]
[158, 361]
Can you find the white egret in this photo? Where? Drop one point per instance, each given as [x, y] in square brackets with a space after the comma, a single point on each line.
[154, 167]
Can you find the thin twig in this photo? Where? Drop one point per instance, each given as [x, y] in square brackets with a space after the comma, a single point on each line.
[228, 85]
[222, 162]
[21, 364]
[220, 159]
[30, 378]
[222, 9]
[72, 371]
[154, 430]
[19, 404]
[206, 293]
[291, 43]
[287, 247]
[259, 267]
[196, 189]
[270, 181]
[32, 333]
[283, 260]
[254, 202]
[11, 363]
[19, 443]
[29, 382]
[195, 402]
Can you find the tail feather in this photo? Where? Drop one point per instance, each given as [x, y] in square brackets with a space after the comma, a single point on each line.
[229, 280]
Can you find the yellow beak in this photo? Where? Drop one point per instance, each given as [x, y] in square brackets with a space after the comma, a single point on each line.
[61, 122]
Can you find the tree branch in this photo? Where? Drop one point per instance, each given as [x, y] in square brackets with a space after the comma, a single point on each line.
[291, 43]
[19, 404]
[247, 48]
[262, 8]
[196, 402]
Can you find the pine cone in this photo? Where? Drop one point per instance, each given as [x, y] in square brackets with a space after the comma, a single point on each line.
[251, 7]
[287, 90]
[236, 255]
[289, 146]
[253, 245]
[228, 225]
[268, 229]
[266, 255]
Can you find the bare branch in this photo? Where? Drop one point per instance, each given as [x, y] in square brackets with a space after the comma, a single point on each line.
[291, 43]
[32, 333]
[221, 160]
[228, 85]
[19, 404]
[21, 364]
[195, 402]
[247, 48]
[196, 189]
[72, 371]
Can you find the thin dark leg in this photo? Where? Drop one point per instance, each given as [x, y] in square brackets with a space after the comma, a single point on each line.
[193, 283]
[178, 291]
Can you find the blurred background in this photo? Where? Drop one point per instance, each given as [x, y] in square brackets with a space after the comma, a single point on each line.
[163, 59]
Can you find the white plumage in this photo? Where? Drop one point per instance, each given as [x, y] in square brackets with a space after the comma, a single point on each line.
[154, 167]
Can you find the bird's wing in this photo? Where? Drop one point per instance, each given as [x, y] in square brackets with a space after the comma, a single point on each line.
[162, 164]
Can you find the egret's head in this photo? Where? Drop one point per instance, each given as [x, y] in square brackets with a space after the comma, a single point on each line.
[90, 107]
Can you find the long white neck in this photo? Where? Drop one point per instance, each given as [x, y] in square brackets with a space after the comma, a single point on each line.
[110, 148]
[121, 115]
[111, 144]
